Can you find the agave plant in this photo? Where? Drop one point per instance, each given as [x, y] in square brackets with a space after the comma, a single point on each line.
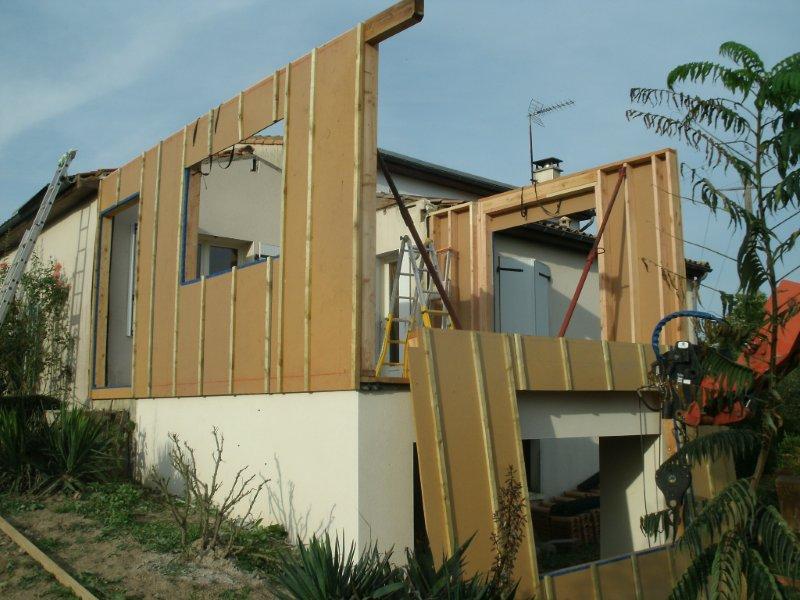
[78, 449]
[749, 125]
[20, 439]
[325, 569]
[447, 582]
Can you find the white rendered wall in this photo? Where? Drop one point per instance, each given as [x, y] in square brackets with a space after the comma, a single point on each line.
[337, 461]
[70, 241]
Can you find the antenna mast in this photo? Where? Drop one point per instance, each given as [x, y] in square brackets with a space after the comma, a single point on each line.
[535, 111]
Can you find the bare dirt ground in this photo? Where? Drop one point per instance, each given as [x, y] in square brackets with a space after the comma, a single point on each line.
[111, 566]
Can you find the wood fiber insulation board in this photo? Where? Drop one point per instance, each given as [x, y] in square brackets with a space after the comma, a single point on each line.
[188, 355]
[217, 335]
[544, 364]
[250, 330]
[577, 585]
[468, 435]
[587, 365]
[144, 272]
[274, 327]
[166, 264]
[333, 212]
[225, 127]
[293, 246]
[197, 138]
[157, 309]
[643, 232]
[130, 179]
[107, 194]
[365, 287]
[671, 230]
[648, 575]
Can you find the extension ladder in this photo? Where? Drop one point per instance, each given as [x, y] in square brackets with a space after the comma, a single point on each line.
[424, 301]
[25, 248]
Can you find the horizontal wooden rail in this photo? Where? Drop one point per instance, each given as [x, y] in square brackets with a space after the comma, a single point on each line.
[47, 563]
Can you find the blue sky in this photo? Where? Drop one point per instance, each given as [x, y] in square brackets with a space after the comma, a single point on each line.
[112, 78]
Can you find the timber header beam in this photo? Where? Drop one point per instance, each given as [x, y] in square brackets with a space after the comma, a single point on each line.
[393, 20]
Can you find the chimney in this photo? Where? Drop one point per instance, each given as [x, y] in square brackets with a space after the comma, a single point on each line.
[546, 169]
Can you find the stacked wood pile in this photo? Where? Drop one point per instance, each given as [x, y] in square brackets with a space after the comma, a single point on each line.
[574, 515]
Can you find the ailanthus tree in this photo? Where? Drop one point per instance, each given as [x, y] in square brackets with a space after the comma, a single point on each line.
[749, 125]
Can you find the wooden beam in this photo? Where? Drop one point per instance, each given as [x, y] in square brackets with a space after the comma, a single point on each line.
[47, 563]
[309, 226]
[393, 20]
[113, 393]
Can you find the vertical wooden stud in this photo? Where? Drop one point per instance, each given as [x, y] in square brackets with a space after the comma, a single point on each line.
[630, 252]
[178, 252]
[512, 398]
[309, 222]
[275, 97]
[137, 256]
[201, 336]
[268, 327]
[210, 139]
[231, 328]
[522, 371]
[282, 261]
[358, 145]
[607, 366]
[151, 290]
[240, 117]
[565, 363]
[637, 578]
[549, 589]
[480, 387]
[659, 233]
[441, 460]
[596, 589]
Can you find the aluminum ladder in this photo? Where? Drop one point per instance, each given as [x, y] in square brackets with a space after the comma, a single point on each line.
[425, 302]
[14, 275]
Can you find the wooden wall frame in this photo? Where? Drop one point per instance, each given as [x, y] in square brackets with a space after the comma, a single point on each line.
[642, 269]
[197, 337]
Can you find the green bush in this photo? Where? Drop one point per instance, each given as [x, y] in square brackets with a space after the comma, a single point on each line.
[20, 436]
[36, 345]
[77, 450]
[66, 452]
[323, 569]
[789, 454]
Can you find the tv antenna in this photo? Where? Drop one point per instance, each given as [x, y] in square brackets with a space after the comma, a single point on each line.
[535, 111]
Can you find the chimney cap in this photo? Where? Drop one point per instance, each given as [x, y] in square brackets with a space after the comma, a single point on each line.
[551, 161]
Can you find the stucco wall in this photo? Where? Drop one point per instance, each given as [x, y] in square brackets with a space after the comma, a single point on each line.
[70, 241]
[337, 461]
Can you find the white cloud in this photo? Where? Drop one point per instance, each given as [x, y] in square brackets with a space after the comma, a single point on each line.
[32, 99]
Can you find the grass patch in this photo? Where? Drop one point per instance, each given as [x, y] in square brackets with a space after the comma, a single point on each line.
[102, 587]
[11, 504]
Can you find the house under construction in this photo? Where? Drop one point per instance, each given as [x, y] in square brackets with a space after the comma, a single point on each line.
[244, 273]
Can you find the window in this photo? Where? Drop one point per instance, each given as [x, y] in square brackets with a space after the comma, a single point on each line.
[233, 207]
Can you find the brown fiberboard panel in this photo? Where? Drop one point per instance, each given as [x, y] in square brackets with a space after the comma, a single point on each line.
[166, 266]
[332, 188]
[250, 329]
[144, 270]
[293, 250]
[217, 332]
[188, 355]
[130, 179]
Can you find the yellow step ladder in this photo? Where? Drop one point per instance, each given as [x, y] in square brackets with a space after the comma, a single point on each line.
[425, 306]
